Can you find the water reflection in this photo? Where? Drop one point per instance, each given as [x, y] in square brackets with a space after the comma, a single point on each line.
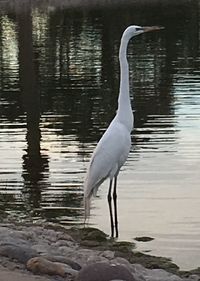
[55, 105]
[35, 164]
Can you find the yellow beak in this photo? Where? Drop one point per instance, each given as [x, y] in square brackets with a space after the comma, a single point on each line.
[152, 28]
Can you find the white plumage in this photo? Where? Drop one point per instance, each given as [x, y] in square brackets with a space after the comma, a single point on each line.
[107, 159]
[113, 148]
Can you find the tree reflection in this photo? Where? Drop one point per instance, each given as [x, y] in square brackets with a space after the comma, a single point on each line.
[35, 164]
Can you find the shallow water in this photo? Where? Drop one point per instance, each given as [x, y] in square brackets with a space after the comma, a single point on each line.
[59, 78]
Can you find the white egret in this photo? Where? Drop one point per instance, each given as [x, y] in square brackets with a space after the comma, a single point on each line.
[113, 148]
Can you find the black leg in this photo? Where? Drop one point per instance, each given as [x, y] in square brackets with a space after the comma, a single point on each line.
[115, 205]
[110, 208]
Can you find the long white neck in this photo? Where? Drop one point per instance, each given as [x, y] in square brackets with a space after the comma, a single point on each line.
[124, 112]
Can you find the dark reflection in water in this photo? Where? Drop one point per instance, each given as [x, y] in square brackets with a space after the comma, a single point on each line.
[59, 80]
[35, 164]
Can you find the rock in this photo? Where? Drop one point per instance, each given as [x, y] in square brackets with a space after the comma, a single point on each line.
[20, 253]
[41, 249]
[154, 274]
[137, 271]
[89, 233]
[65, 236]
[64, 250]
[149, 261]
[90, 243]
[104, 272]
[122, 246]
[86, 256]
[108, 254]
[12, 237]
[54, 252]
[192, 277]
[143, 239]
[94, 235]
[42, 265]
[50, 235]
[8, 275]
[65, 243]
[12, 265]
[61, 259]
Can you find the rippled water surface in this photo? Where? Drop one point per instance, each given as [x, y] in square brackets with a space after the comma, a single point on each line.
[59, 79]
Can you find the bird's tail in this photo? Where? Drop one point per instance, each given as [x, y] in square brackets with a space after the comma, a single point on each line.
[87, 203]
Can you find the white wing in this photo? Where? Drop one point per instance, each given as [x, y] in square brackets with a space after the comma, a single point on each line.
[108, 157]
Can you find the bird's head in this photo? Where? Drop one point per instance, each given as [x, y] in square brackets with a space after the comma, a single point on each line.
[134, 30]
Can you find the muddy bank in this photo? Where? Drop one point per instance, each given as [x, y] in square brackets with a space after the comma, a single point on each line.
[35, 252]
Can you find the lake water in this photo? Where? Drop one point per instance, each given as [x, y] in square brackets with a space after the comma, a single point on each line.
[59, 79]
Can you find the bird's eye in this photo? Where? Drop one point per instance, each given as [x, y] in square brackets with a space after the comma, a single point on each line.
[138, 29]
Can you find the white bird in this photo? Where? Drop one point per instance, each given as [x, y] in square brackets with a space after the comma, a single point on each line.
[113, 148]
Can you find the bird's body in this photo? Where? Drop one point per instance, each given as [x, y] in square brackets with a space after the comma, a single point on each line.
[108, 157]
[113, 148]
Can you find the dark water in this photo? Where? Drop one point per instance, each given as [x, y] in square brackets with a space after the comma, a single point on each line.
[59, 79]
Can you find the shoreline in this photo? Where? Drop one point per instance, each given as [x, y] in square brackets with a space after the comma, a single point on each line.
[38, 252]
